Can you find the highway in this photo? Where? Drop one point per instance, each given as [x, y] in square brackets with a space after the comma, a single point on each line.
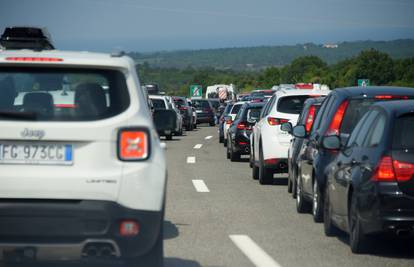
[217, 215]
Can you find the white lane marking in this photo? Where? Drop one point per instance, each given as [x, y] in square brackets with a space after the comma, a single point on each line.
[198, 146]
[200, 186]
[209, 137]
[191, 160]
[255, 254]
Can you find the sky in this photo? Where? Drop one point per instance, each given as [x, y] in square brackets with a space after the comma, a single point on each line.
[164, 25]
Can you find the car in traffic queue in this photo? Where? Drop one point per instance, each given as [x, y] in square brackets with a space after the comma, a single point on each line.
[307, 117]
[215, 103]
[228, 120]
[186, 112]
[205, 112]
[83, 174]
[180, 118]
[370, 182]
[270, 144]
[222, 121]
[338, 115]
[167, 120]
[238, 136]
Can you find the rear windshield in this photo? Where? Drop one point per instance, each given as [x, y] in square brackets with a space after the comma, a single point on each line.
[235, 109]
[227, 109]
[253, 113]
[44, 94]
[291, 104]
[404, 133]
[180, 102]
[215, 104]
[356, 109]
[158, 103]
[200, 104]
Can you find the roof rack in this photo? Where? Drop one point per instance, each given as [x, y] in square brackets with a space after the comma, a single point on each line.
[33, 38]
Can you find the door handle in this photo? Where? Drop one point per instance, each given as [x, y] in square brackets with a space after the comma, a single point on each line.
[353, 162]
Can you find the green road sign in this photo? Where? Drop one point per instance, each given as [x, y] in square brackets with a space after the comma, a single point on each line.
[196, 91]
[363, 82]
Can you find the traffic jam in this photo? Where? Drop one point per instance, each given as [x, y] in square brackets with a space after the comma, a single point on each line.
[86, 152]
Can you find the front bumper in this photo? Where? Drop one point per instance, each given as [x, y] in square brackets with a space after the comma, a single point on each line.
[48, 230]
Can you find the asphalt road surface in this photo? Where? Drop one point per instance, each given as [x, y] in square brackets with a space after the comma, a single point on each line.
[217, 215]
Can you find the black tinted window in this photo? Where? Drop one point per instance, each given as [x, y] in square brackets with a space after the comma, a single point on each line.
[199, 104]
[158, 103]
[356, 109]
[253, 113]
[404, 133]
[180, 102]
[291, 104]
[236, 109]
[61, 94]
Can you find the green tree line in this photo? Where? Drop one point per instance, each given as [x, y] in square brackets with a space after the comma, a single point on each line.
[370, 64]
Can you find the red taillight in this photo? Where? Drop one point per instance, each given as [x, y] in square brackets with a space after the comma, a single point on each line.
[128, 228]
[310, 118]
[65, 105]
[337, 119]
[242, 143]
[391, 97]
[403, 171]
[385, 171]
[133, 145]
[34, 59]
[271, 161]
[229, 122]
[276, 121]
[183, 108]
[243, 126]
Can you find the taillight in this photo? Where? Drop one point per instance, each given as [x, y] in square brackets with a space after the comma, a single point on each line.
[65, 105]
[384, 171]
[403, 171]
[276, 121]
[34, 59]
[183, 108]
[391, 97]
[271, 161]
[310, 118]
[337, 119]
[243, 126]
[228, 122]
[133, 144]
[128, 228]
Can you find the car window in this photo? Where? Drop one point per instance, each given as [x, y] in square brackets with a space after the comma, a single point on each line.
[235, 109]
[367, 124]
[403, 133]
[200, 104]
[62, 94]
[326, 104]
[227, 109]
[158, 104]
[268, 106]
[355, 133]
[180, 102]
[356, 109]
[376, 132]
[240, 113]
[291, 104]
[253, 113]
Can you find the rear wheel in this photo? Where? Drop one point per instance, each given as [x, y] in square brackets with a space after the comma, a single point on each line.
[294, 183]
[302, 205]
[212, 123]
[265, 174]
[357, 240]
[169, 137]
[255, 172]
[289, 186]
[317, 203]
[221, 139]
[234, 156]
[329, 228]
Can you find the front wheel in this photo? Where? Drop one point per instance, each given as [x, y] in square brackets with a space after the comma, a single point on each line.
[302, 205]
[317, 204]
[169, 137]
[265, 174]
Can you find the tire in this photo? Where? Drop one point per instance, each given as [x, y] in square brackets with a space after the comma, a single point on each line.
[221, 139]
[225, 142]
[317, 203]
[265, 175]
[289, 185]
[234, 156]
[357, 240]
[169, 137]
[294, 184]
[189, 127]
[250, 160]
[328, 227]
[212, 123]
[302, 205]
[255, 172]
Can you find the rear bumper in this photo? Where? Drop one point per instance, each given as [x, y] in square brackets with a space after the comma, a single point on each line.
[205, 117]
[280, 166]
[65, 230]
[242, 143]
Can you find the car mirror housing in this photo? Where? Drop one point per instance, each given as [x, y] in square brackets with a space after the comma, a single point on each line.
[299, 131]
[332, 142]
[287, 127]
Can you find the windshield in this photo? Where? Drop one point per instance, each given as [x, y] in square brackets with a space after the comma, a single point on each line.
[158, 103]
[61, 94]
[201, 104]
[236, 108]
[292, 104]
[404, 133]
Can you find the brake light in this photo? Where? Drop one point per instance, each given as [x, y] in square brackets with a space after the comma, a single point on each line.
[243, 126]
[229, 122]
[310, 118]
[128, 228]
[35, 59]
[242, 143]
[391, 97]
[271, 161]
[183, 108]
[403, 171]
[65, 105]
[337, 119]
[276, 121]
[385, 171]
[133, 144]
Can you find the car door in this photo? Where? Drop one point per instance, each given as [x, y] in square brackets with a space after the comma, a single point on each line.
[259, 125]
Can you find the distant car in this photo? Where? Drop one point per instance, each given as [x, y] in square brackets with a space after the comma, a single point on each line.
[222, 121]
[166, 118]
[338, 115]
[186, 111]
[180, 119]
[215, 103]
[230, 118]
[194, 112]
[370, 182]
[271, 144]
[205, 112]
[238, 136]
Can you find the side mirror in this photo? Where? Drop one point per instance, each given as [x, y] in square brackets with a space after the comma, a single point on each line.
[332, 142]
[299, 131]
[287, 127]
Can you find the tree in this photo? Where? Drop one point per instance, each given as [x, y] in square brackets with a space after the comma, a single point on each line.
[376, 66]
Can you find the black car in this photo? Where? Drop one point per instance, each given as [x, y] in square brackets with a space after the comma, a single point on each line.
[186, 111]
[215, 103]
[306, 118]
[205, 112]
[338, 115]
[238, 135]
[222, 121]
[370, 182]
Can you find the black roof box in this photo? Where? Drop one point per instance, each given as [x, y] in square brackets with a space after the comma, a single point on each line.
[26, 38]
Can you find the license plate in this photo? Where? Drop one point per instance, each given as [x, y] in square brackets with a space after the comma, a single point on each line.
[199, 111]
[36, 153]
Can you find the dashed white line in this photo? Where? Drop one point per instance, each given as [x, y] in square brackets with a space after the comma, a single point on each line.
[191, 160]
[198, 146]
[255, 253]
[209, 137]
[200, 186]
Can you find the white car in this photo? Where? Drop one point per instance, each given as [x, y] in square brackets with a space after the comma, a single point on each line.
[162, 122]
[269, 144]
[232, 115]
[83, 174]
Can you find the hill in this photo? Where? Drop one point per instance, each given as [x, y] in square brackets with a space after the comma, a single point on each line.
[258, 58]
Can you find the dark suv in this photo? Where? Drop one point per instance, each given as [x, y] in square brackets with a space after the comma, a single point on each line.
[186, 111]
[370, 182]
[205, 112]
[338, 115]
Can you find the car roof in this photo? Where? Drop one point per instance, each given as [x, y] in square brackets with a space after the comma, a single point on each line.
[396, 107]
[282, 92]
[256, 104]
[157, 97]
[374, 90]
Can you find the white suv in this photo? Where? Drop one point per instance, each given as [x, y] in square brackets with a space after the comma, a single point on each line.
[83, 175]
[270, 145]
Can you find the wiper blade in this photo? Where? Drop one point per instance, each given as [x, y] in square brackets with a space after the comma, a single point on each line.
[18, 115]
